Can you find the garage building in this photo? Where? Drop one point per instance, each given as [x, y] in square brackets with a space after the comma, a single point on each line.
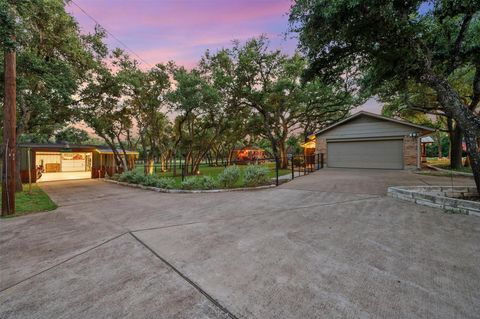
[367, 140]
[53, 162]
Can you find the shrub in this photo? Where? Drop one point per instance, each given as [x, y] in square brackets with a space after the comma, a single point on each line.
[199, 182]
[115, 177]
[255, 175]
[150, 180]
[207, 182]
[189, 183]
[131, 177]
[229, 177]
[167, 183]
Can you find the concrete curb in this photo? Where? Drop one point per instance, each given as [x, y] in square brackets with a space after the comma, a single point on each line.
[184, 191]
[449, 171]
[439, 197]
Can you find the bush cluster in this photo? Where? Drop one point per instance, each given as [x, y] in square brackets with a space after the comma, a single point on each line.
[149, 180]
[229, 177]
[253, 175]
[199, 182]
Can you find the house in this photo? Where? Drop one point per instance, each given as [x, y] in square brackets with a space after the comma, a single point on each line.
[52, 162]
[367, 140]
[248, 154]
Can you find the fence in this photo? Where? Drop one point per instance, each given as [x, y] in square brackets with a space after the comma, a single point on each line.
[295, 166]
[305, 164]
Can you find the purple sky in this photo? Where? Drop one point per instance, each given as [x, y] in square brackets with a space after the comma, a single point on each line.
[181, 30]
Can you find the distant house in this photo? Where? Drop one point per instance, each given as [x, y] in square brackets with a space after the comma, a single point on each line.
[50, 162]
[248, 154]
[367, 140]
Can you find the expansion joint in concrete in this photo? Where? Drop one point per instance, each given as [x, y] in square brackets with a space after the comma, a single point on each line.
[64, 261]
[188, 280]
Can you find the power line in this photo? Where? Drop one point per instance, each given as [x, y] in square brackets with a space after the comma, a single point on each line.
[111, 34]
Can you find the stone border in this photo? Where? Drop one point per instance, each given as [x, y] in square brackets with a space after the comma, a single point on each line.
[449, 171]
[436, 196]
[185, 191]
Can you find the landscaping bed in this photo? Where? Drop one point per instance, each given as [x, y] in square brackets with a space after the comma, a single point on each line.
[229, 178]
[212, 171]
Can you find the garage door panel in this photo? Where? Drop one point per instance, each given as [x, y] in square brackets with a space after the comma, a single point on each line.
[386, 154]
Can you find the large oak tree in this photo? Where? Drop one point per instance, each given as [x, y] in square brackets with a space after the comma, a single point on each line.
[398, 41]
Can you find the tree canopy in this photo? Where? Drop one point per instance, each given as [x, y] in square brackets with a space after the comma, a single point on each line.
[397, 42]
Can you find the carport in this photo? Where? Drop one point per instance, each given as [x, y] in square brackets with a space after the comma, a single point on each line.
[55, 162]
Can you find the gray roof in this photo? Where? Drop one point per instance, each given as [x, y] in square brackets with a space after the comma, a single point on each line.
[427, 139]
[380, 117]
[99, 148]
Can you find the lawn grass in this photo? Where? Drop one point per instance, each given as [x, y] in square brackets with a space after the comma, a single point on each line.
[213, 171]
[36, 201]
[444, 163]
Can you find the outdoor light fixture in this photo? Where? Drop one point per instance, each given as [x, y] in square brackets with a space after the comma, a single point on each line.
[413, 134]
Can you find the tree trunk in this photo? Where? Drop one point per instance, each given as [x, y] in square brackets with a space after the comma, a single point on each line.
[439, 145]
[463, 116]
[174, 163]
[474, 155]
[467, 162]
[283, 155]
[452, 104]
[456, 138]
[150, 165]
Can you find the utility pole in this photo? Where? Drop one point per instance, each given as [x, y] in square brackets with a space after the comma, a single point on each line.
[9, 134]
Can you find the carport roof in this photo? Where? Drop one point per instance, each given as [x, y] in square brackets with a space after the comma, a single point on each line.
[60, 146]
[380, 117]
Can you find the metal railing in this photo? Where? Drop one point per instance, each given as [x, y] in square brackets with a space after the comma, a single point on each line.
[295, 166]
[306, 164]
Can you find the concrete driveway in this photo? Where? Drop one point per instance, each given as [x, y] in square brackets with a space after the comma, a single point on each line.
[325, 245]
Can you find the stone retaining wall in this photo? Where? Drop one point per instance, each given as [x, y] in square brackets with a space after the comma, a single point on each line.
[445, 197]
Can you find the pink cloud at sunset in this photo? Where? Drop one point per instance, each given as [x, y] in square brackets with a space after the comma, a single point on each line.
[182, 30]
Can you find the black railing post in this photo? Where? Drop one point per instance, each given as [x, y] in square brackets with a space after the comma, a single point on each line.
[276, 170]
[304, 165]
[293, 173]
[321, 160]
[182, 169]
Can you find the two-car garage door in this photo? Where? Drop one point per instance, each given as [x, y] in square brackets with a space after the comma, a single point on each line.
[386, 154]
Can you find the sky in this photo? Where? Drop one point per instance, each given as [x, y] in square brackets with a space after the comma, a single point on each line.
[182, 30]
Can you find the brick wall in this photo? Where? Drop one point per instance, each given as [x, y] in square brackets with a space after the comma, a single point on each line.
[410, 149]
[321, 147]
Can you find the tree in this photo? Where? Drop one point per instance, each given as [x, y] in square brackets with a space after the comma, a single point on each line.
[102, 108]
[397, 42]
[72, 135]
[220, 71]
[200, 119]
[53, 60]
[146, 93]
[270, 85]
[326, 104]
[416, 101]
